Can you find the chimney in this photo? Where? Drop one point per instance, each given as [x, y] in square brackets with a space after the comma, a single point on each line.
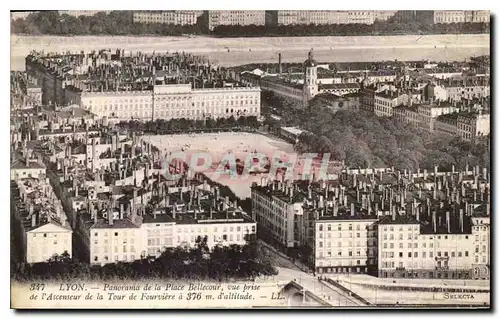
[461, 220]
[321, 202]
[33, 220]
[448, 221]
[110, 215]
[434, 227]
[279, 63]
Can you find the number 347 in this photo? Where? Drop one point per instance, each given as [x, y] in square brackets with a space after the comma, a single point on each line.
[38, 287]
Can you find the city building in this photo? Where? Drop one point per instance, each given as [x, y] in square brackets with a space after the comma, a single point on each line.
[153, 90]
[321, 17]
[466, 87]
[367, 95]
[45, 231]
[407, 115]
[360, 17]
[449, 16]
[289, 91]
[175, 17]
[446, 124]
[472, 125]
[128, 233]
[478, 16]
[387, 100]
[25, 166]
[435, 92]
[24, 93]
[235, 17]
[345, 241]
[170, 101]
[384, 222]
[274, 208]
[46, 241]
[454, 244]
[427, 113]
[294, 17]
[459, 16]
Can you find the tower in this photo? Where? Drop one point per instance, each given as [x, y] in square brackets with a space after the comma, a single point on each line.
[310, 88]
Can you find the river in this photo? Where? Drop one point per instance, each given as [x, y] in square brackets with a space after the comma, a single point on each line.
[236, 51]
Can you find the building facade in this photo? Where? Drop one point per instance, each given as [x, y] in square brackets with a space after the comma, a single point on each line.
[472, 126]
[45, 241]
[121, 239]
[407, 250]
[321, 17]
[345, 244]
[467, 88]
[274, 209]
[386, 101]
[175, 17]
[235, 17]
[170, 102]
[449, 16]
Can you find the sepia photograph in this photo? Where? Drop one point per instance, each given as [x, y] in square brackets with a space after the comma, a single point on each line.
[250, 159]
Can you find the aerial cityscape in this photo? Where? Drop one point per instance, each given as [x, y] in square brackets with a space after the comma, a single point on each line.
[349, 180]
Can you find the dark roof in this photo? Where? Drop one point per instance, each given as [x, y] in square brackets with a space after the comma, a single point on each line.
[345, 215]
[158, 218]
[21, 164]
[117, 223]
[400, 219]
[338, 86]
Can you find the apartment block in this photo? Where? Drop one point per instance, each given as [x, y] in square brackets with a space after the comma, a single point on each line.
[175, 17]
[382, 221]
[235, 17]
[46, 241]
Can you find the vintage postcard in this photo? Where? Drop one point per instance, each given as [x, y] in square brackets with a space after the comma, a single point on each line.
[256, 159]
